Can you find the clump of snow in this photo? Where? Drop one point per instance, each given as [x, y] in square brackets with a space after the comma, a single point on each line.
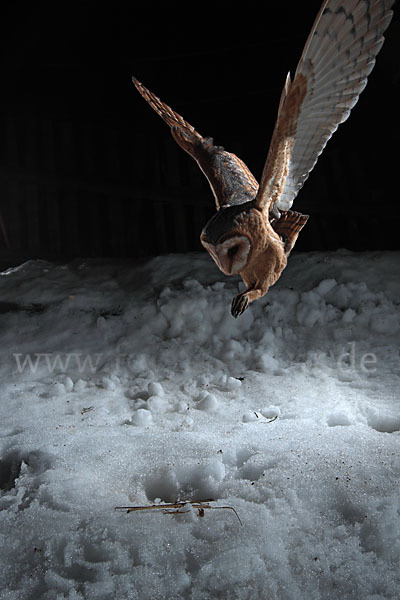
[207, 402]
[142, 417]
[131, 384]
[155, 389]
[271, 412]
[250, 416]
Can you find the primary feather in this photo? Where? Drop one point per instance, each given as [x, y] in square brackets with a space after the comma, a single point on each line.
[338, 57]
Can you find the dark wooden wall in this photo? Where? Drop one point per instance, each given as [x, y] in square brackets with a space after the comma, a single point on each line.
[68, 190]
[88, 189]
[87, 169]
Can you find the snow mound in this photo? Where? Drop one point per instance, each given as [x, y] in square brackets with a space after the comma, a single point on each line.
[130, 384]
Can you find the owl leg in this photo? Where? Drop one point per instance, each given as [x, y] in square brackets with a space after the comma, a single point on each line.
[242, 301]
[275, 212]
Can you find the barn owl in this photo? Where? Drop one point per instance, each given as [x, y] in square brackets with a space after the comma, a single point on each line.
[254, 228]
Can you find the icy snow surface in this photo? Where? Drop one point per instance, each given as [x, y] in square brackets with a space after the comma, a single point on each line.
[131, 384]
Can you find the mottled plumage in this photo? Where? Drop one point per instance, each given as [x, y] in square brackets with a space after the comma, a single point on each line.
[254, 229]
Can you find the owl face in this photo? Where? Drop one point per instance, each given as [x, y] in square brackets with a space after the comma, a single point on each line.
[231, 254]
[226, 238]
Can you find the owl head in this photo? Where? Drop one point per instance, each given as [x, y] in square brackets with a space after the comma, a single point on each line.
[227, 237]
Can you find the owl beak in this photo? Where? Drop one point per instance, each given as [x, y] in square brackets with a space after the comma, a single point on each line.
[226, 266]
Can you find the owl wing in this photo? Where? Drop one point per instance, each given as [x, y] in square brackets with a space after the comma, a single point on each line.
[228, 176]
[336, 61]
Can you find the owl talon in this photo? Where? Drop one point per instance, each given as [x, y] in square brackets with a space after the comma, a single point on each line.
[239, 305]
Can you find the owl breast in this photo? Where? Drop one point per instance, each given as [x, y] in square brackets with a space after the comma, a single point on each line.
[230, 255]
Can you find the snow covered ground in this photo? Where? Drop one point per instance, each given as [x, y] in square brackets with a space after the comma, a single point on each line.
[130, 384]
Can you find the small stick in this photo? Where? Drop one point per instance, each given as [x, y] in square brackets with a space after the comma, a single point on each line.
[270, 420]
[226, 508]
[173, 507]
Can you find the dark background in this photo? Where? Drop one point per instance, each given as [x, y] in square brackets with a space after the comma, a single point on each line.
[88, 169]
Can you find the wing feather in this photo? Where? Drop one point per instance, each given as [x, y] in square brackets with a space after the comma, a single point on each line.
[230, 179]
[332, 72]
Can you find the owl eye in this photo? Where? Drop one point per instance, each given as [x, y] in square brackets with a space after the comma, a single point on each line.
[233, 251]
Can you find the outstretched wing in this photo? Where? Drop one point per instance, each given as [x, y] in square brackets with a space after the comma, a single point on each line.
[229, 178]
[336, 61]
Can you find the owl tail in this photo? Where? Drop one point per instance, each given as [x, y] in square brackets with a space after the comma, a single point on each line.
[288, 227]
